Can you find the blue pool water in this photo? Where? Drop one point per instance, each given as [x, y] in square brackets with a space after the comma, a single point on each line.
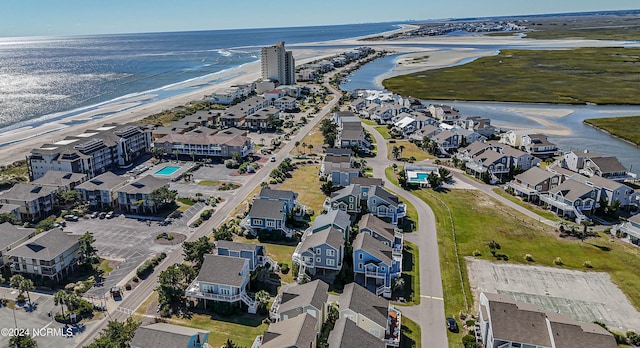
[421, 177]
[168, 170]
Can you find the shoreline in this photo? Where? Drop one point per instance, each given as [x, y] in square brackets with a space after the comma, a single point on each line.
[611, 134]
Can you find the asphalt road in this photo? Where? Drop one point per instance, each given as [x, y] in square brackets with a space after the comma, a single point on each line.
[133, 299]
[429, 314]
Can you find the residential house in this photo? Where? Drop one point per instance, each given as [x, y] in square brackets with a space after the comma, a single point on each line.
[520, 159]
[169, 335]
[350, 132]
[448, 141]
[52, 254]
[136, 197]
[336, 151]
[572, 199]
[609, 190]
[65, 181]
[590, 164]
[375, 265]
[343, 176]
[384, 204]
[476, 124]
[35, 201]
[93, 152]
[498, 161]
[332, 162]
[220, 145]
[235, 116]
[533, 183]
[504, 322]
[346, 334]
[538, 145]
[358, 104]
[10, 237]
[266, 214]
[444, 113]
[382, 231]
[346, 199]
[273, 94]
[366, 183]
[222, 279]
[298, 332]
[630, 229]
[11, 209]
[320, 252]
[255, 253]
[285, 103]
[513, 138]
[101, 191]
[371, 313]
[226, 96]
[296, 300]
[337, 219]
[473, 150]
[289, 198]
[262, 119]
[406, 124]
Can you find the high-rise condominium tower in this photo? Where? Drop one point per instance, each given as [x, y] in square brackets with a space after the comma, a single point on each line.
[278, 64]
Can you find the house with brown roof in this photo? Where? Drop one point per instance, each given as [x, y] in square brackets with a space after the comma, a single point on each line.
[591, 163]
[533, 183]
[538, 145]
[347, 334]
[504, 322]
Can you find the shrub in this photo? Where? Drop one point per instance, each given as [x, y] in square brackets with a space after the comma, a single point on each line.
[206, 214]
[528, 257]
[588, 264]
[170, 237]
[500, 256]
[162, 256]
[128, 286]
[558, 261]
[477, 253]
[469, 341]
[470, 323]
[620, 337]
[284, 268]
[135, 279]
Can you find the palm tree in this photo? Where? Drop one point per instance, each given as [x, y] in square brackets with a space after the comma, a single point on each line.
[15, 282]
[310, 147]
[304, 145]
[445, 174]
[193, 156]
[175, 153]
[262, 141]
[297, 144]
[401, 147]
[26, 285]
[60, 298]
[395, 151]
[262, 297]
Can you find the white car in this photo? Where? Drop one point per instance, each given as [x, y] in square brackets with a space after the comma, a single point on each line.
[273, 159]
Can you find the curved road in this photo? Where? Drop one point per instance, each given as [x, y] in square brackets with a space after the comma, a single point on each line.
[429, 314]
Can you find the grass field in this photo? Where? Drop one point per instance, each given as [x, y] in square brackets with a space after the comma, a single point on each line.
[410, 334]
[242, 329]
[627, 128]
[577, 76]
[304, 181]
[314, 137]
[384, 131]
[278, 252]
[542, 212]
[410, 150]
[369, 122]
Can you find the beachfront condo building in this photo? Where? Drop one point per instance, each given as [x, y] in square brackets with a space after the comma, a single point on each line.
[93, 152]
[278, 64]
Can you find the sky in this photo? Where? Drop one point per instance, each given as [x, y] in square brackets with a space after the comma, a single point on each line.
[88, 17]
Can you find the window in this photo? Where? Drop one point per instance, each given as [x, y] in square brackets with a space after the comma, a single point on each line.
[271, 224]
[350, 198]
[256, 222]
[554, 180]
[359, 256]
[359, 266]
[318, 259]
[331, 252]
[318, 251]
[331, 262]
[350, 206]
[539, 187]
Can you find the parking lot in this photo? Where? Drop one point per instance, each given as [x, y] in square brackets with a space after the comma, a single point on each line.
[584, 296]
[130, 241]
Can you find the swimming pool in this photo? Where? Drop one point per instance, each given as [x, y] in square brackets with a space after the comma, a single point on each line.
[168, 170]
[420, 177]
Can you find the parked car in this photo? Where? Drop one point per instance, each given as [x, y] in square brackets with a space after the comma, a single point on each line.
[109, 215]
[94, 215]
[452, 325]
[62, 223]
[102, 215]
[273, 159]
[71, 217]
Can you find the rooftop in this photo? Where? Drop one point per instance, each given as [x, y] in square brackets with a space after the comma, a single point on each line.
[360, 300]
[224, 270]
[314, 294]
[295, 332]
[267, 209]
[165, 335]
[46, 245]
[374, 247]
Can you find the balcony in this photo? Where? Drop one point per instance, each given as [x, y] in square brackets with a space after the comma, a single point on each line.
[376, 274]
[394, 323]
[194, 291]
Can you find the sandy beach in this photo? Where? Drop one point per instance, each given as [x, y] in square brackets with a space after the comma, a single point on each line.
[22, 140]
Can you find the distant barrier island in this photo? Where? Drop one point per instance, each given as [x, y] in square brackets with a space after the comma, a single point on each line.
[571, 76]
[627, 128]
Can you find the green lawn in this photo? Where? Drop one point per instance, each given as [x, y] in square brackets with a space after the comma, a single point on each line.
[410, 334]
[105, 267]
[410, 150]
[314, 137]
[627, 128]
[573, 76]
[534, 208]
[411, 273]
[278, 252]
[242, 329]
[384, 131]
[209, 182]
[304, 181]
[369, 122]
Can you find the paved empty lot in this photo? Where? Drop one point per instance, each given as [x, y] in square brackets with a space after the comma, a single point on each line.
[584, 296]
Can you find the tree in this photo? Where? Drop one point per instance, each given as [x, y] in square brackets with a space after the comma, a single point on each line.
[304, 147]
[445, 174]
[262, 297]
[310, 147]
[401, 148]
[395, 152]
[231, 344]
[116, 335]
[15, 282]
[195, 251]
[193, 156]
[398, 283]
[173, 281]
[297, 143]
[6, 217]
[87, 250]
[262, 141]
[163, 195]
[22, 341]
[66, 197]
[26, 285]
[60, 298]
[434, 180]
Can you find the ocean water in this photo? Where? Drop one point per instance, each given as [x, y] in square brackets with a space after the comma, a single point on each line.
[42, 76]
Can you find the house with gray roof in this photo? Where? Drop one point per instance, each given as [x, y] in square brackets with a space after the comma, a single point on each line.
[221, 144]
[375, 265]
[288, 197]
[346, 199]
[267, 214]
[101, 191]
[255, 253]
[11, 209]
[365, 182]
[322, 251]
[36, 201]
[65, 181]
[296, 299]
[52, 254]
[385, 204]
[590, 163]
[533, 183]
[135, 197]
[371, 313]
[222, 279]
[346, 334]
[572, 199]
[10, 237]
[629, 229]
[298, 332]
[169, 335]
[538, 145]
[610, 190]
[382, 231]
[504, 322]
[337, 219]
